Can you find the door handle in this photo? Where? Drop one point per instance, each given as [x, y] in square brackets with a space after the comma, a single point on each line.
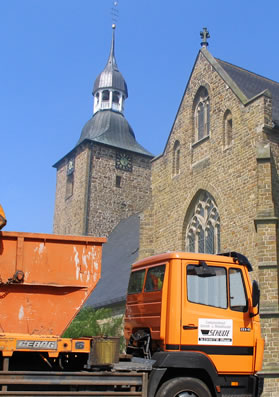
[190, 326]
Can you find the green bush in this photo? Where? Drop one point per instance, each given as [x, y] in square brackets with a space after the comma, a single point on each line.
[90, 322]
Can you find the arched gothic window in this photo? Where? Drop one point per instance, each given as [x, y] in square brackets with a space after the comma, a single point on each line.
[228, 128]
[203, 227]
[201, 114]
[176, 159]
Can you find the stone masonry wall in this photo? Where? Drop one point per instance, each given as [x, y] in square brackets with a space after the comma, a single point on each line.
[70, 212]
[267, 255]
[97, 205]
[108, 203]
[228, 174]
[244, 187]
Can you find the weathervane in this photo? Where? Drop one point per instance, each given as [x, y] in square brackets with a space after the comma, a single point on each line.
[114, 13]
[204, 36]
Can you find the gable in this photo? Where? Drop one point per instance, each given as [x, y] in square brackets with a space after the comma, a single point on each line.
[244, 84]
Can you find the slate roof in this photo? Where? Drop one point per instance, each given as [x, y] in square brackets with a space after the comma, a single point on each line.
[252, 84]
[120, 251]
[111, 128]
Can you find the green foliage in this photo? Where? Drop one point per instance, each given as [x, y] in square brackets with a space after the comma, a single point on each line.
[90, 322]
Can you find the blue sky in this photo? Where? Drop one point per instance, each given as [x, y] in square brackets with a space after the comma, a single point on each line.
[52, 51]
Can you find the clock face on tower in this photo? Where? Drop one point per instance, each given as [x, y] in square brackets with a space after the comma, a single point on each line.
[123, 161]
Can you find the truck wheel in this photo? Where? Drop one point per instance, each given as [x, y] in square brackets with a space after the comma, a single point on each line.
[183, 387]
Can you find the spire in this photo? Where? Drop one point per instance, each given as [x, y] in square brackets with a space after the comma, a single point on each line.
[110, 89]
[112, 60]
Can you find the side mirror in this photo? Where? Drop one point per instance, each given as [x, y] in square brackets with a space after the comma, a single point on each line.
[255, 294]
[255, 297]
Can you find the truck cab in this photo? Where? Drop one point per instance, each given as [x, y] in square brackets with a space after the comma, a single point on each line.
[197, 313]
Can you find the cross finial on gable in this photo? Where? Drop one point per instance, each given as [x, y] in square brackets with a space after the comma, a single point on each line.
[204, 36]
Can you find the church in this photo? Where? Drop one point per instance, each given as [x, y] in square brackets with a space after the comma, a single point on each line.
[215, 186]
[213, 189]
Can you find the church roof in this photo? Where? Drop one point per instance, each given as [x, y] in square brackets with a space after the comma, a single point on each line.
[120, 251]
[110, 77]
[111, 128]
[252, 84]
[245, 84]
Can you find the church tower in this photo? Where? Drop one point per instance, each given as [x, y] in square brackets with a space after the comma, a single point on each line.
[106, 176]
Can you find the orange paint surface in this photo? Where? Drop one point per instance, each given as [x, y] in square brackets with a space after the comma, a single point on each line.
[176, 321]
[52, 345]
[45, 279]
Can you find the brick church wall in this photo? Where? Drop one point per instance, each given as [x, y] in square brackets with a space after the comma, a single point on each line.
[229, 174]
[242, 181]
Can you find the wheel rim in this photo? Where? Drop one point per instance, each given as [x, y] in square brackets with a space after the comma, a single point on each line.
[186, 394]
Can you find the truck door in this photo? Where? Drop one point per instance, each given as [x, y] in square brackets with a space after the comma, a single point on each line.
[215, 316]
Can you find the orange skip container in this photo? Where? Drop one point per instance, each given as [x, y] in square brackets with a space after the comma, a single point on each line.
[45, 279]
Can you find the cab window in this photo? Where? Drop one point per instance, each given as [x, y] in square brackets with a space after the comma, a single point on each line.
[238, 298]
[207, 288]
[155, 278]
[136, 282]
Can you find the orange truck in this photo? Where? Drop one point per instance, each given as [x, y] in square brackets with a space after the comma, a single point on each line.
[197, 317]
[191, 323]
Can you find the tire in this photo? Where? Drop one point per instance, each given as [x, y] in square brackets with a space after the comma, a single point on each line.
[183, 387]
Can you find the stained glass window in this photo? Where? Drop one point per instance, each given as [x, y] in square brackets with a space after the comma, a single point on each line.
[203, 228]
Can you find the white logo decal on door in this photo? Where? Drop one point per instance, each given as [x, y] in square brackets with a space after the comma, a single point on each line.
[215, 332]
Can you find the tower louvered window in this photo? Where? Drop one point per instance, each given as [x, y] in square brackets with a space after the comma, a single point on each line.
[105, 95]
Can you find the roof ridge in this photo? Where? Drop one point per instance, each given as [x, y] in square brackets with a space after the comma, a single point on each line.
[220, 69]
[248, 71]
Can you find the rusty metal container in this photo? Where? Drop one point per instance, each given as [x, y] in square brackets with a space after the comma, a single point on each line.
[45, 279]
[104, 351]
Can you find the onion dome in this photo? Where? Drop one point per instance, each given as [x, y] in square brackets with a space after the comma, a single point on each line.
[110, 89]
[108, 125]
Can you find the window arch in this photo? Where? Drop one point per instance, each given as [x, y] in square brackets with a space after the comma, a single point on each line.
[228, 128]
[203, 227]
[176, 158]
[105, 95]
[115, 97]
[201, 114]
